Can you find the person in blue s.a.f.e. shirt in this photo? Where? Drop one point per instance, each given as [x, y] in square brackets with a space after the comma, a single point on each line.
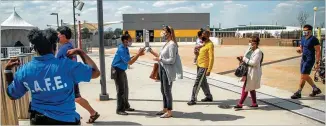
[310, 49]
[50, 81]
[120, 64]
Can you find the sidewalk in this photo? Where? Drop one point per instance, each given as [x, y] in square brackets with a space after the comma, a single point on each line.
[146, 98]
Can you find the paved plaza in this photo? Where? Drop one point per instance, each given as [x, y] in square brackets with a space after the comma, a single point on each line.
[275, 106]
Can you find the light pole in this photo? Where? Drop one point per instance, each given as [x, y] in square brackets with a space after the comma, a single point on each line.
[104, 95]
[315, 10]
[57, 18]
[79, 5]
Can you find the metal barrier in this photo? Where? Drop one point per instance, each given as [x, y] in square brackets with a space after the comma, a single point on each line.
[14, 51]
[12, 110]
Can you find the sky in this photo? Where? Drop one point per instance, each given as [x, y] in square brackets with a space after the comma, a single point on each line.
[229, 13]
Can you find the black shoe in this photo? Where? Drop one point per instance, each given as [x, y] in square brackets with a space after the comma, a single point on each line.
[122, 113]
[315, 92]
[296, 95]
[130, 109]
[191, 102]
[238, 107]
[253, 106]
[207, 99]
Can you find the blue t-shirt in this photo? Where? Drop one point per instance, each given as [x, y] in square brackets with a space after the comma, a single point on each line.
[62, 51]
[308, 51]
[121, 58]
[50, 81]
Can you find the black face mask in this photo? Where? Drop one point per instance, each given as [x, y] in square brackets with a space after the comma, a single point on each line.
[203, 38]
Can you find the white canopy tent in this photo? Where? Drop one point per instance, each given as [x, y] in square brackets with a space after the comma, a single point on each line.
[14, 29]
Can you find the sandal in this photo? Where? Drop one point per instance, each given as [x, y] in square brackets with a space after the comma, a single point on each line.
[166, 115]
[93, 118]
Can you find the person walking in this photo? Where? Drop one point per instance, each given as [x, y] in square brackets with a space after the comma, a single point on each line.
[252, 81]
[205, 63]
[310, 49]
[50, 80]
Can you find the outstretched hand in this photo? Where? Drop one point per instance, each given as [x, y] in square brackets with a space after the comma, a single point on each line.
[156, 59]
[141, 51]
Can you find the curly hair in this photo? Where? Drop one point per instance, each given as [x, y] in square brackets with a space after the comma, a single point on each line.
[44, 42]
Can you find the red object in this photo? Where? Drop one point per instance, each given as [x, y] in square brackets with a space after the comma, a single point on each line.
[79, 36]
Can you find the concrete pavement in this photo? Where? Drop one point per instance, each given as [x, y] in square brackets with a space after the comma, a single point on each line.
[146, 98]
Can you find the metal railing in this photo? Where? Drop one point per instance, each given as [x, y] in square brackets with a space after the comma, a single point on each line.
[14, 51]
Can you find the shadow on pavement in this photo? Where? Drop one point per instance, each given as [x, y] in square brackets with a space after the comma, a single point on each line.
[265, 104]
[115, 123]
[193, 115]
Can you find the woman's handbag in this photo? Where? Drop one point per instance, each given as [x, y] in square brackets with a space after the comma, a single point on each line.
[241, 70]
[154, 75]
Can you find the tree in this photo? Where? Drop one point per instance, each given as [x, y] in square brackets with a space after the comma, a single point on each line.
[302, 18]
[85, 34]
[108, 34]
[322, 25]
[118, 32]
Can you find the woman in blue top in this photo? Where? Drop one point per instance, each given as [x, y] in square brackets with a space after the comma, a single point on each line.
[50, 80]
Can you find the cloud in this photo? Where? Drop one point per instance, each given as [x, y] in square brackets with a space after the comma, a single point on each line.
[228, 1]
[124, 8]
[165, 3]
[209, 5]
[180, 9]
[92, 9]
[232, 14]
[141, 9]
[37, 2]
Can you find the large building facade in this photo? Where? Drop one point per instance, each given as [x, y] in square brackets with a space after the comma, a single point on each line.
[186, 25]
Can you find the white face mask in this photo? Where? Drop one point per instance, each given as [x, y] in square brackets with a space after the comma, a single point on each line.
[129, 43]
[305, 33]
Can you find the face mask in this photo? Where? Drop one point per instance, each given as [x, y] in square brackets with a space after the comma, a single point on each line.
[129, 43]
[203, 38]
[305, 33]
[163, 34]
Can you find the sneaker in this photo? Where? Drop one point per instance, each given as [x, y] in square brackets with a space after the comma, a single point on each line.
[296, 95]
[207, 100]
[130, 109]
[315, 92]
[122, 113]
[191, 102]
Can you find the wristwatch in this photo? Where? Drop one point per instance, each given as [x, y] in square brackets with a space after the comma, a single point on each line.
[7, 71]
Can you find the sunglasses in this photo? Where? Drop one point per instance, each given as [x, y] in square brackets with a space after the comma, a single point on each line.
[168, 29]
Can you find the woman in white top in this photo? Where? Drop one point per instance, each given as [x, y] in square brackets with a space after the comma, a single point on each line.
[170, 68]
[253, 57]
